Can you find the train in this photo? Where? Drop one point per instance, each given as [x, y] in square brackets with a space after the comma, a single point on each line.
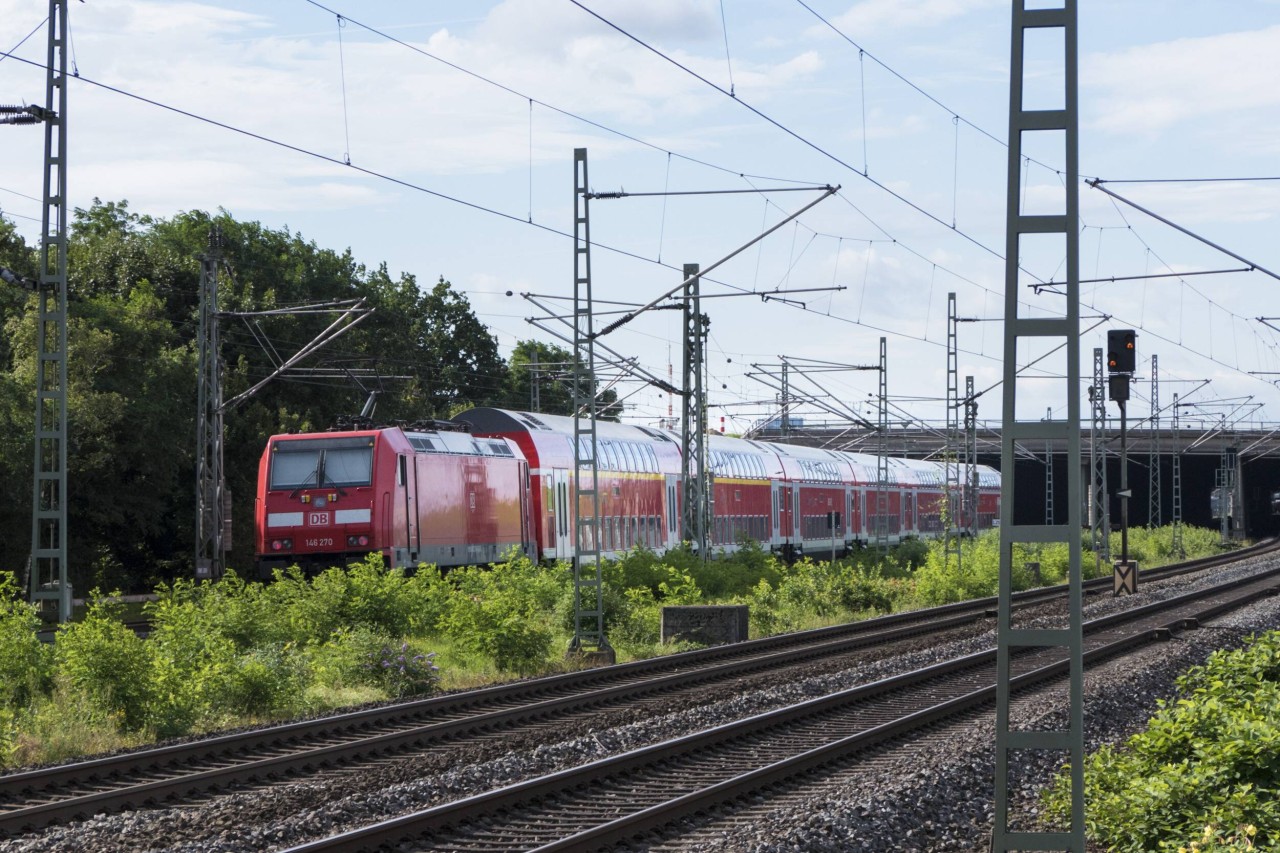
[470, 490]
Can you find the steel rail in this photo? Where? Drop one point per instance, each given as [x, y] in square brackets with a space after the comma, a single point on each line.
[456, 715]
[499, 809]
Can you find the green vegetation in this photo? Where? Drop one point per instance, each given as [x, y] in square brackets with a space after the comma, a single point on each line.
[1205, 774]
[134, 290]
[980, 562]
[224, 653]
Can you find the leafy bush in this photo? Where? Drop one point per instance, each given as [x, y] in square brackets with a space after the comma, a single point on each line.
[731, 575]
[24, 660]
[245, 612]
[106, 661]
[364, 594]
[340, 661]
[1205, 774]
[9, 732]
[427, 597]
[911, 553]
[402, 671]
[190, 658]
[634, 624]
[866, 589]
[504, 613]
[266, 681]
[643, 569]
[65, 724]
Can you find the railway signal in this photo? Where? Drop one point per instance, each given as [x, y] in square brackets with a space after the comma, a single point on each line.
[1122, 351]
[1122, 361]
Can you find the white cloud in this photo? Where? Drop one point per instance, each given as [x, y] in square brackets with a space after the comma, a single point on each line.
[534, 26]
[881, 16]
[1155, 87]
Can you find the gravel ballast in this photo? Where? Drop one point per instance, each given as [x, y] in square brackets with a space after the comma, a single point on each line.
[932, 796]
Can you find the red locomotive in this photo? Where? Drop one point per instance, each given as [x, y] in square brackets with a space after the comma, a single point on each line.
[442, 494]
[431, 495]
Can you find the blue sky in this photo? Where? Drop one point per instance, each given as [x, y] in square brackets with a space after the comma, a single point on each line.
[1175, 89]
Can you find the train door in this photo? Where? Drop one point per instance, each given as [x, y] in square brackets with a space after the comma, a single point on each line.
[528, 538]
[563, 516]
[908, 513]
[775, 514]
[673, 510]
[415, 509]
[795, 507]
[404, 485]
[850, 531]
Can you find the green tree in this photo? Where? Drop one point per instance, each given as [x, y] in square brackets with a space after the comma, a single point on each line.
[16, 407]
[134, 309]
[436, 339]
[554, 375]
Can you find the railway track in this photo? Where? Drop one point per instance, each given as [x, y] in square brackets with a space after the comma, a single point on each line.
[639, 795]
[180, 772]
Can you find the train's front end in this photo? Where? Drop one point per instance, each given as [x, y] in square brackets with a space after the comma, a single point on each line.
[317, 500]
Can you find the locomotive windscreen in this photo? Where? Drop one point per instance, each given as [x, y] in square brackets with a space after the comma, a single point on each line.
[321, 462]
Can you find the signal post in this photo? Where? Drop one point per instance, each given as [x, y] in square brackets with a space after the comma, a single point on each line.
[1122, 360]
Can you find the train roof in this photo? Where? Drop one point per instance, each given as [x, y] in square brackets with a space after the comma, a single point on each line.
[420, 440]
[491, 420]
[725, 453]
[459, 443]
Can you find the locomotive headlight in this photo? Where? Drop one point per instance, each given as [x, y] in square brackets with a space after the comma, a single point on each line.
[357, 541]
[281, 544]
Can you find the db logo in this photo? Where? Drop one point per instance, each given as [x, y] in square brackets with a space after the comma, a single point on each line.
[317, 518]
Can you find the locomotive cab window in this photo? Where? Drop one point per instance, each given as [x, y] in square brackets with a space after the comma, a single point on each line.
[321, 462]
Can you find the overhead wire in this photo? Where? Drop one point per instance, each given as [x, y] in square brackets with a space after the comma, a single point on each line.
[492, 211]
[746, 177]
[549, 106]
[1188, 180]
[23, 40]
[787, 130]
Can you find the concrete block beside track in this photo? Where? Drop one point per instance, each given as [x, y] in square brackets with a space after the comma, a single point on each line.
[712, 625]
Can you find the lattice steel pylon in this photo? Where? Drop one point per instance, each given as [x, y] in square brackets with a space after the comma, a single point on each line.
[1225, 483]
[786, 400]
[1099, 510]
[211, 516]
[1066, 327]
[1048, 474]
[1177, 548]
[971, 457]
[882, 457]
[49, 577]
[588, 583]
[693, 463]
[954, 488]
[1154, 508]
